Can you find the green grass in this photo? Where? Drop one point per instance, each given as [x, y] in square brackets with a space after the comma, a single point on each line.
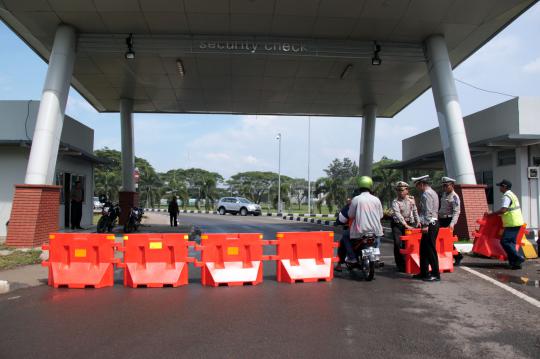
[19, 258]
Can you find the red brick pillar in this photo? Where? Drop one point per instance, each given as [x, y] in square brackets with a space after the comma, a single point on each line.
[35, 214]
[473, 206]
[126, 200]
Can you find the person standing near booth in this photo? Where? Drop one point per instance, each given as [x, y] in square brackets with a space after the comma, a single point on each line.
[450, 210]
[512, 220]
[77, 198]
[428, 213]
[404, 216]
[173, 212]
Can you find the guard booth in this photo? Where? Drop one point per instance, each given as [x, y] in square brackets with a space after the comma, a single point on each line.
[75, 162]
[366, 59]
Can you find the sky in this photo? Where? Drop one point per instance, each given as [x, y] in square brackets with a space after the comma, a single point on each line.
[509, 63]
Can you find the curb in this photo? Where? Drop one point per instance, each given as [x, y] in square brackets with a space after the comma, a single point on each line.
[267, 214]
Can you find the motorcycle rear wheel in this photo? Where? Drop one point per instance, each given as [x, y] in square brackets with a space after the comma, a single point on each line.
[368, 271]
[102, 225]
[129, 227]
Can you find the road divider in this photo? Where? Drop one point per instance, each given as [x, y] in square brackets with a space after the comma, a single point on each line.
[445, 250]
[81, 260]
[155, 260]
[487, 239]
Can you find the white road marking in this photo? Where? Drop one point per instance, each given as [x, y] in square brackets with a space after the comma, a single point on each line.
[13, 298]
[507, 288]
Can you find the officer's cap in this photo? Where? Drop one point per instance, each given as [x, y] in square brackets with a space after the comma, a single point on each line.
[505, 183]
[401, 184]
[448, 180]
[421, 179]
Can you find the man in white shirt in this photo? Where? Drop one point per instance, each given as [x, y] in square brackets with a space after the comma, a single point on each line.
[366, 213]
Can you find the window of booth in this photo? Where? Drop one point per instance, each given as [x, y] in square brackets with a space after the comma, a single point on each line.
[506, 157]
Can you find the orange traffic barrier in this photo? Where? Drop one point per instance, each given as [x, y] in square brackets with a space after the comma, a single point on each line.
[231, 259]
[155, 260]
[304, 256]
[487, 240]
[445, 250]
[411, 252]
[80, 260]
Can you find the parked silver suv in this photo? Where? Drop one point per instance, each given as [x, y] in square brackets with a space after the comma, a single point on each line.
[237, 205]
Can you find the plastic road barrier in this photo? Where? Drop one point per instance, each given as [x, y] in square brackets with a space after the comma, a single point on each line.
[487, 240]
[445, 250]
[231, 259]
[304, 256]
[80, 260]
[155, 260]
[411, 252]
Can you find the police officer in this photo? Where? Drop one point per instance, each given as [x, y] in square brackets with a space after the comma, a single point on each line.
[512, 220]
[429, 206]
[450, 210]
[404, 216]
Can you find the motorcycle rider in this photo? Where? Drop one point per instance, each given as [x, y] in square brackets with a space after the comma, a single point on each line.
[366, 213]
[343, 220]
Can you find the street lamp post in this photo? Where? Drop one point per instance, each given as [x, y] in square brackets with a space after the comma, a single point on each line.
[278, 137]
[308, 164]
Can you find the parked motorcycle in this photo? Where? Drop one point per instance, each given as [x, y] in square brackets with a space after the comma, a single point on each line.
[134, 220]
[109, 215]
[368, 256]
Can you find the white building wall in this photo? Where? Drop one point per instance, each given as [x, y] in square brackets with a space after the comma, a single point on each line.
[13, 162]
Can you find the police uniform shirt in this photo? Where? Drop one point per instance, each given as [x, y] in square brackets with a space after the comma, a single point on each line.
[429, 207]
[404, 210]
[450, 207]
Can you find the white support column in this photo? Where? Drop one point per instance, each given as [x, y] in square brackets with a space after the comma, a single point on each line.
[367, 141]
[50, 117]
[453, 137]
[128, 153]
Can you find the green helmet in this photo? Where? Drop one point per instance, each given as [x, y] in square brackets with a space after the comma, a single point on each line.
[365, 182]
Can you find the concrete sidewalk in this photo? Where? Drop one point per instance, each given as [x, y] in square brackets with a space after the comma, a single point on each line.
[23, 277]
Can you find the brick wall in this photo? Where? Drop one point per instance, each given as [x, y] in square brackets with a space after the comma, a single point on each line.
[126, 200]
[473, 206]
[34, 215]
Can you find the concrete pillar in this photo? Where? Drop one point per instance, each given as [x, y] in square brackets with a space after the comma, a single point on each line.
[127, 197]
[367, 141]
[50, 117]
[453, 137]
[128, 153]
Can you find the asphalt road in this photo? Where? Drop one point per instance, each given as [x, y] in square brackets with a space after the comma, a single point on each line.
[463, 316]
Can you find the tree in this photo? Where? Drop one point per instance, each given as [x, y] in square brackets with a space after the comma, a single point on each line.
[339, 183]
[384, 180]
[299, 190]
[258, 186]
[108, 177]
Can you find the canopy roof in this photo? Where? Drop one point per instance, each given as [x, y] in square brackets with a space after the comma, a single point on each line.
[258, 56]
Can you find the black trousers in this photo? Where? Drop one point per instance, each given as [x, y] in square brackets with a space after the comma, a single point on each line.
[398, 230]
[76, 214]
[428, 251]
[445, 222]
[174, 219]
[342, 252]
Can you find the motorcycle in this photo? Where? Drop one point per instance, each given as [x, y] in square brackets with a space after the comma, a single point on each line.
[368, 256]
[109, 215]
[134, 220]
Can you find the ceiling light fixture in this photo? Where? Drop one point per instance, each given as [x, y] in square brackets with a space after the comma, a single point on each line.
[180, 66]
[130, 54]
[346, 71]
[376, 60]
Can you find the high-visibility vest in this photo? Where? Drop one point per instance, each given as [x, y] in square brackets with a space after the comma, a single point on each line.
[512, 217]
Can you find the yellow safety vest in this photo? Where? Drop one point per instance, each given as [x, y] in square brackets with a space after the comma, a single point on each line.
[512, 217]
